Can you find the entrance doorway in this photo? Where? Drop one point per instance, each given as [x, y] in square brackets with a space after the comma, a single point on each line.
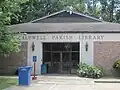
[61, 58]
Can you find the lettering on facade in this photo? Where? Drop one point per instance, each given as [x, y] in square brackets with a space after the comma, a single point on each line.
[64, 37]
[90, 37]
[33, 37]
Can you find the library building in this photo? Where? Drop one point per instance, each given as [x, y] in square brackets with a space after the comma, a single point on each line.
[63, 40]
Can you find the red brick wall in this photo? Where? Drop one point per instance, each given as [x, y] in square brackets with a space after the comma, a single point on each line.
[105, 54]
[9, 64]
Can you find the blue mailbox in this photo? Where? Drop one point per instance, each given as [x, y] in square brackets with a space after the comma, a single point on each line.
[24, 75]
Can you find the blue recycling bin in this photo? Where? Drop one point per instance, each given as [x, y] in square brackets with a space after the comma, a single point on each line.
[24, 75]
[43, 69]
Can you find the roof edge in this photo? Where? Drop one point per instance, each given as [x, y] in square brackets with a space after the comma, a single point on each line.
[78, 13]
[47, 16]
[73, 32]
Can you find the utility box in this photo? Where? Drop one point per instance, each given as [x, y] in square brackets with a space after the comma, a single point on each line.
[24, 75]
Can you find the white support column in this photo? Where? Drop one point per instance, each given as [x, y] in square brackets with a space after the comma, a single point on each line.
[29, 63]
[37, 52]
[87, 56]
[80, 52]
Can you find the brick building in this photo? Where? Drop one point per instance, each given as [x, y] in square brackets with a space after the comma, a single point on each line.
[64, 39]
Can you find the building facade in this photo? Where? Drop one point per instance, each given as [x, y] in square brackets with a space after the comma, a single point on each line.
[62, 51]
[66, 38]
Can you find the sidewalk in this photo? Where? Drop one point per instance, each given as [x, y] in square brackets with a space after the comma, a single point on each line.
[70, 83]
[107, 80]
[57, 83]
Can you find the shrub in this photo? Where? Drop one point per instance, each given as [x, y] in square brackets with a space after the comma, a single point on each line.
[16, 72]
[89, 71]
[116, 65]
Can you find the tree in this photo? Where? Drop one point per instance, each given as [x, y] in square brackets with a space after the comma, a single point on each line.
[109, 9]
[9, 41]
[117, 16]
[78, 5]
[34, 9]
[89, 7]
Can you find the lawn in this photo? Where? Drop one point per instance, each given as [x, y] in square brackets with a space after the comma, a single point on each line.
[7, 82]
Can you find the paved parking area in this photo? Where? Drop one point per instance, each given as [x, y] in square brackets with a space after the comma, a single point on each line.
[67, 83]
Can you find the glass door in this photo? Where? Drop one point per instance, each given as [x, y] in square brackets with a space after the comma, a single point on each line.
[65, 62]
[61, 57]
[61, 62]
[55, 62]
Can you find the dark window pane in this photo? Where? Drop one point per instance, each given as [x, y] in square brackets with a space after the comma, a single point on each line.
[75, 56]
[75, 47]
[75, 59]
[47, 47]
[57, 47]
[55, 57]
[65, 57]
[46, 56]
[67, 47]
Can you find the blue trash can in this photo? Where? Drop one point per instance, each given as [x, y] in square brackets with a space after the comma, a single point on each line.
[43, 69]
[24, 75]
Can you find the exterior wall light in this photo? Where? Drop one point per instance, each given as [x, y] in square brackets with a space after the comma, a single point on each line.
[86, 46]
[33, 46]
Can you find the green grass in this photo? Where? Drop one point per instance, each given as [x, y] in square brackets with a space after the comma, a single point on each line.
[7, 82]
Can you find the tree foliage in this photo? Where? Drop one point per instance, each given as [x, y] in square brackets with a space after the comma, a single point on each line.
[78, 5]
[9, 42]
[35, 9]
[109, 9]
[105, 9]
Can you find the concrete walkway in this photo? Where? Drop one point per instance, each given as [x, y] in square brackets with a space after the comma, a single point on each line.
[67, 83]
